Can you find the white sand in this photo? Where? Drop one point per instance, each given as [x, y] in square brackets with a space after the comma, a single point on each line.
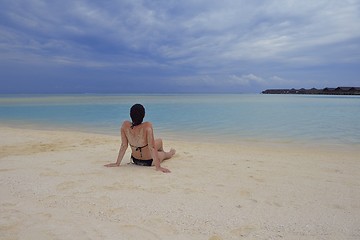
[54, 186]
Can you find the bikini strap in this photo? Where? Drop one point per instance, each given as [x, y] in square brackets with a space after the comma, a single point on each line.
[139, 148]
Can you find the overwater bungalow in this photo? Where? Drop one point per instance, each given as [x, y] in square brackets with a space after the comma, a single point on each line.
[325, 91]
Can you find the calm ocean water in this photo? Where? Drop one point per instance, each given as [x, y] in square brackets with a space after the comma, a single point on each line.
[213, 117]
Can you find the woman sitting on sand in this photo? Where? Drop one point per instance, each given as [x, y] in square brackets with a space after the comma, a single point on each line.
[146, 151]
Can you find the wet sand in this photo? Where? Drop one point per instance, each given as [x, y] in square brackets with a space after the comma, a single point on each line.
[54, 186]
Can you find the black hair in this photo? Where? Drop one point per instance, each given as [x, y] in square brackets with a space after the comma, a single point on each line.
[137, 114]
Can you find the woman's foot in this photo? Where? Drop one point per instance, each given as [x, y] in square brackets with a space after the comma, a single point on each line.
[170, 154]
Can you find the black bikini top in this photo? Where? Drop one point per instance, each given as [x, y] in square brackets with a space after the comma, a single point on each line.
[139, 148]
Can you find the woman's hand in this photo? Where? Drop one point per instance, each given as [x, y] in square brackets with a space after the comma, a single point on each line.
[112, 165]
[164, 170]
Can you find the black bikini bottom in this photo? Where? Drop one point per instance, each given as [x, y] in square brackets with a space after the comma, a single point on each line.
[142, 162]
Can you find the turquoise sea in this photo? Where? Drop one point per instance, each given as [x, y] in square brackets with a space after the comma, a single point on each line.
[303, 119]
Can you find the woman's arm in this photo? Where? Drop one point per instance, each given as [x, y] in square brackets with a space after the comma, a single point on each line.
[122, 150]
[153, 151]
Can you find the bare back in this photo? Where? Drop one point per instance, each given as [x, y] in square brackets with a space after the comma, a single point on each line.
[140, 139]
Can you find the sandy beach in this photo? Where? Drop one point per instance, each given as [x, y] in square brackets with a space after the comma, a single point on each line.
[53, 186]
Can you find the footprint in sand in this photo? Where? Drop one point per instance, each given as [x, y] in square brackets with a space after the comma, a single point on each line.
[188, 155]
[257, 179]
[5, 170]
[253, 200]
[274, 204]
[244, 193]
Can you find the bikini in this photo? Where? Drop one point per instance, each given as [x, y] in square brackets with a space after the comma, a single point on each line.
[140, 162]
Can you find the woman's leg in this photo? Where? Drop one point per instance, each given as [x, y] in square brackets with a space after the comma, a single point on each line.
[161, 153]
[159, 145]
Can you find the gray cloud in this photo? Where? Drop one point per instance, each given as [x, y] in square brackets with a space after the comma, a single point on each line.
[242, 43]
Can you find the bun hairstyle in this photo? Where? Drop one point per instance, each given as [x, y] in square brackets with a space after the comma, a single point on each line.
[137, 114]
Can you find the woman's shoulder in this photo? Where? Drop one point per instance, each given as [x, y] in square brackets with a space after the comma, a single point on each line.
[126, 124]
[147, 124]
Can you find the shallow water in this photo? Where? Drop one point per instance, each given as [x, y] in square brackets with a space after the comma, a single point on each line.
[213, 117]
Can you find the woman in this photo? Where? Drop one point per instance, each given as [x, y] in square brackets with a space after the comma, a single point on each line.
[146, 151]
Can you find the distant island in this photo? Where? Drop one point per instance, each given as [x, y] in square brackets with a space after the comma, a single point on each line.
[325, 91]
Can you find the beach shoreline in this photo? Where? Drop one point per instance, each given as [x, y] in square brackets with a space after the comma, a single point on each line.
[54, 186]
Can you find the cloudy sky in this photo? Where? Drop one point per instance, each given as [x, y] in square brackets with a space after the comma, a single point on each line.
[139, 46]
